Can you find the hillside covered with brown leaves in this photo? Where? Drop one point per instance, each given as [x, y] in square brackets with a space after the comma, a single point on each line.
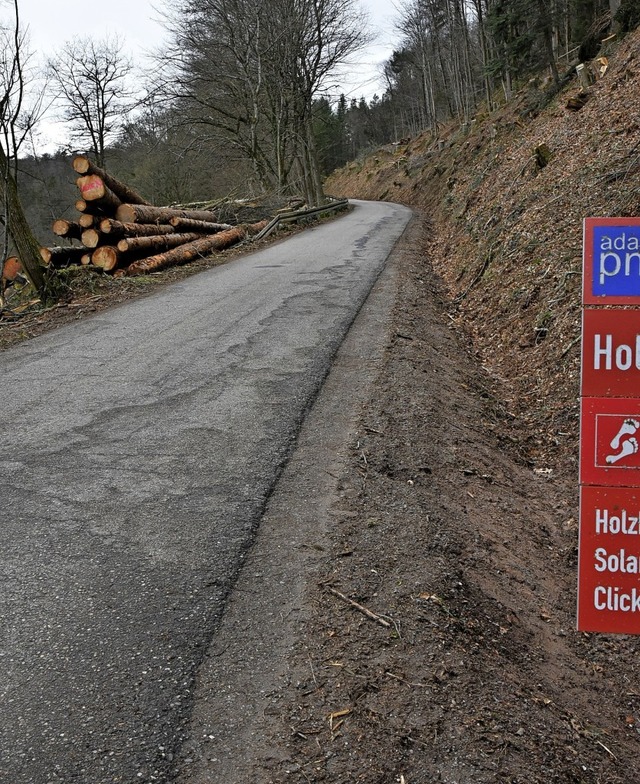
[507, 229]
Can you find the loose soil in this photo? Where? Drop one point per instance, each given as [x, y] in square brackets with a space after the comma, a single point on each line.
[456, 524]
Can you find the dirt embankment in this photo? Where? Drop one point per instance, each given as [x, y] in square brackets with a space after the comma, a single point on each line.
[469, 558]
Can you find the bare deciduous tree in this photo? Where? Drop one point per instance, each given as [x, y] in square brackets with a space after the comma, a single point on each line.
[94, 94]
[15, 124]
[247, 73]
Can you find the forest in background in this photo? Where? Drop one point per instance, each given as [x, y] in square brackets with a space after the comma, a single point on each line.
[237, 106]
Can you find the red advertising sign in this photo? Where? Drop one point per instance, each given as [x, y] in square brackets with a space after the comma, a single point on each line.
[610, 352]
[609, 560]
[611, 270]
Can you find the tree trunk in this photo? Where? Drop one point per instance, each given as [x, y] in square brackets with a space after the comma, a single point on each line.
[484, 48]
[26, 244]
[93, 208]
[93, 188]
[71, 230]
[192, 250]
[156, 243]
[116, 230]
[106, 257]
[204, 227]
[86, 220]
[547, 33]
[127, 195]
[138, 213]
[61, 257]
[91, 238]
[10, 270]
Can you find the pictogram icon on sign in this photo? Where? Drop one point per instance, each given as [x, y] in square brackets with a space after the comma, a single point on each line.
[610, 447]
[624, 445]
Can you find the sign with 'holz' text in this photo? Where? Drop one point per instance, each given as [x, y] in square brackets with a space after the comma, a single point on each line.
[609, 548]
[610, 353]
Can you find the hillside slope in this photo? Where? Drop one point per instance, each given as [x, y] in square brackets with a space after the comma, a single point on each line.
[507, 233]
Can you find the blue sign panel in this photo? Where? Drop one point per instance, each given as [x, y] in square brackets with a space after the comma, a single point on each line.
[616, 260]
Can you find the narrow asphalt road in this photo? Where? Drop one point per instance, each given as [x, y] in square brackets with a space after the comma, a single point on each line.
[137, 451]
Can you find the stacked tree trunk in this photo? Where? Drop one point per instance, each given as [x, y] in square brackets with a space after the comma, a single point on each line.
[11, 271]
[123, 234]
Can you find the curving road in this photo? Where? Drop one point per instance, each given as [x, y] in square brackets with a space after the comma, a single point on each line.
[137, 450]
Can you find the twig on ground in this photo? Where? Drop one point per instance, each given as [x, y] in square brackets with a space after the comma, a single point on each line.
[313, 674]
[406, 682]
[606, 749]
[373, 616]
[570, 346]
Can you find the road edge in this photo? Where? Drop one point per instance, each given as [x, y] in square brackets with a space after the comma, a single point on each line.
[247, 662]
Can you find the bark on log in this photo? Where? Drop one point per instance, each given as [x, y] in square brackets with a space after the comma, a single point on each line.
[155, 243]
[72, 230]
[139, 213]
[83, 165]
[93, 188]
[116, 230]
[106, 257]
[61, 257]
[188, 252]
[203, 227]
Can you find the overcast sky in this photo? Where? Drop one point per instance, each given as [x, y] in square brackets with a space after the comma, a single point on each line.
[53, 22]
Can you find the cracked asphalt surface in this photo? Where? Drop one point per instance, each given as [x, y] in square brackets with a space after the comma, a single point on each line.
[137, 452]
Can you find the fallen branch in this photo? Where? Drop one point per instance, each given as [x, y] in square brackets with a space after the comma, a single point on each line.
[373, 616]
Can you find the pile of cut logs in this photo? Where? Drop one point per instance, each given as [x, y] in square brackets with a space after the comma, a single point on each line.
[123, 234]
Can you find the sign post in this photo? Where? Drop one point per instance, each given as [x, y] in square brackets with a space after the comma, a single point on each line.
[609, 550]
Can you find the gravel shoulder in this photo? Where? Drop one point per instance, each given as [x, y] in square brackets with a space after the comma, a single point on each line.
[248, 667]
